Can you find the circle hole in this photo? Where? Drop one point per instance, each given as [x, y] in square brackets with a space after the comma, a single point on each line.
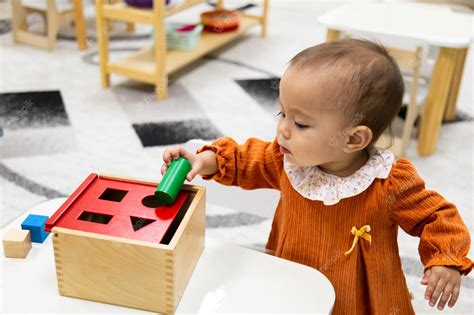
[152, 202]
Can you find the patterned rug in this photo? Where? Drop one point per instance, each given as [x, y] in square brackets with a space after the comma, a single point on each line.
[58, 126]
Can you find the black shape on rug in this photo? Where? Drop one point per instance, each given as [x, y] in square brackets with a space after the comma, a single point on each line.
[32, 110]
[173, 132]
[264, 91]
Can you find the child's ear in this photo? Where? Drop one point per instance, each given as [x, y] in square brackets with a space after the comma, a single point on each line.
[358, 138]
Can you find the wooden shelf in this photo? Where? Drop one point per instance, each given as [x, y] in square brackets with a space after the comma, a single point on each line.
[152, 65]
[122, 12]
[141, 65]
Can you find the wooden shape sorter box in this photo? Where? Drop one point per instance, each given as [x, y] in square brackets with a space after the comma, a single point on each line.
[114, 244]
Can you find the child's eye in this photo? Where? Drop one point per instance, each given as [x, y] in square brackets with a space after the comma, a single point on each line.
[300, 126]
[282, 114]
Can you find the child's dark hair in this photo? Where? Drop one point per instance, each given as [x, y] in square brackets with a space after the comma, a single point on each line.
[372, 83]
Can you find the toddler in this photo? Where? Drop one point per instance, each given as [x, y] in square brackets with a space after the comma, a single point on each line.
[342, 199]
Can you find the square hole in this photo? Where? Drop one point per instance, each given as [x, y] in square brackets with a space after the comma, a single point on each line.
[95, 217]
[113, 194]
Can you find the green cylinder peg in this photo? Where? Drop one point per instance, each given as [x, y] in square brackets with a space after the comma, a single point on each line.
[173, 180]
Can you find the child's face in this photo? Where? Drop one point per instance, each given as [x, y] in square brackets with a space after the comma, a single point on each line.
[310, 129]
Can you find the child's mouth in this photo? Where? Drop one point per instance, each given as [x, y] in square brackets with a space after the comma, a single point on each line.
[284, 150]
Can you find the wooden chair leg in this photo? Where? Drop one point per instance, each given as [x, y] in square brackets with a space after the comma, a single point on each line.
[413, 109]
[52, 24]
[80, 24]
[18, 19]
[412, 114]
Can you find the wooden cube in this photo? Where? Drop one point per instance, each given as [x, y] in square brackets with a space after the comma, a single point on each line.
[16, 243]
[112, 245]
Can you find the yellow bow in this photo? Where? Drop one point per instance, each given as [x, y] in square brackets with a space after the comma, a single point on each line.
[363, 232]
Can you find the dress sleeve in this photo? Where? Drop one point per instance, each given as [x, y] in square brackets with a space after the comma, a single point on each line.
[254, 164]
[444, 238]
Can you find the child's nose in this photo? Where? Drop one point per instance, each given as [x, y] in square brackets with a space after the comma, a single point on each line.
[284, 130]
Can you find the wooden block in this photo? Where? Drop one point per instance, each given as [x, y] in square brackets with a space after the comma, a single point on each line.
[16, 243]
[35, 224]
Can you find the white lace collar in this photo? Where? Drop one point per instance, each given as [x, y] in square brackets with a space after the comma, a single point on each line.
[313, 183]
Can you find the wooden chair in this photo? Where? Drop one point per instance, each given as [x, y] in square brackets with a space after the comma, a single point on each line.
[54, 12]
[409, 62]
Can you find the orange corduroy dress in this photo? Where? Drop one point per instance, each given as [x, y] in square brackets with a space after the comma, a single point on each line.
[370, 279]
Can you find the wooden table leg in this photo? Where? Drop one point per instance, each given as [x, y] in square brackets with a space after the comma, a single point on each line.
[332, 35]
[161, 84]
[130, 27]
[450, 112]
[436, 100]
[264, 19]
[103, 43]
[80, 25]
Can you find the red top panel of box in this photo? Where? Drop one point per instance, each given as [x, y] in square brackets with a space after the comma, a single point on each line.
[115, 207]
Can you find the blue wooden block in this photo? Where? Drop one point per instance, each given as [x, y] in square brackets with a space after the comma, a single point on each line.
[35, 224]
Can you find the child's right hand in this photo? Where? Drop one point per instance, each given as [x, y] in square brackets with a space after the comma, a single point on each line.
[175, 153]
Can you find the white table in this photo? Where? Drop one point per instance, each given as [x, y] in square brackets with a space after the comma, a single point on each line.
[228, 278]
[425, 24]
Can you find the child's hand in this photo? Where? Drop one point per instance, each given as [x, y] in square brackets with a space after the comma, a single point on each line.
[442, 280]
[175, 153]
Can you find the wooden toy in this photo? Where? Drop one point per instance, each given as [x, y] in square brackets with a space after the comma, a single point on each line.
[16, 243]
[35, 224]
[115, 243]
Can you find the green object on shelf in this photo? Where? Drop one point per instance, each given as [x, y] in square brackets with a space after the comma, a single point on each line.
[181, 40]
[173, 180]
